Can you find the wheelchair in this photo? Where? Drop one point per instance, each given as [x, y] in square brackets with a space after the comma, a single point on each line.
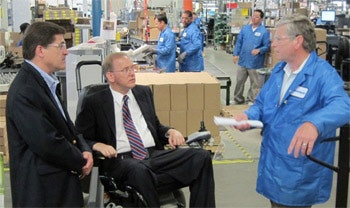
[104, 191]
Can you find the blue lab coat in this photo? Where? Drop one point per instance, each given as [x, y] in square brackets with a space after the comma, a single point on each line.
[317, 96]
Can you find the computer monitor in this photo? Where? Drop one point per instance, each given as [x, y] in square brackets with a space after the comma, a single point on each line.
[328, 15]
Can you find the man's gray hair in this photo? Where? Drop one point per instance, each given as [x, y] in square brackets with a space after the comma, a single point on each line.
[298, 24]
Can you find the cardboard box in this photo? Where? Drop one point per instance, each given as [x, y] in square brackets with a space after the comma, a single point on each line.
[247, 5]
[2, 38]
[211, 96]
[2, 111]
[4, 142]
[178, 97]
[208, 117]
[161, 95]
[232, 110]
[164, 117]
[68, 35]
[195, 96]
[154, 33]
[194, 117]
[150, 14]
[15, 37]
[2, 129]
[302, 11]
[178, 121]
[133, 24]
[140, 22]
[185, 96]
[60, 14]
[16, 51]
[321, 38]
[321, 34]
[151, 22]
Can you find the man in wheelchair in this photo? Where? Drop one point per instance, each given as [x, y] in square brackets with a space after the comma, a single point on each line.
[119, 121]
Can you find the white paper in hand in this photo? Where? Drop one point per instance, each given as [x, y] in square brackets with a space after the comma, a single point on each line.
[223, 121]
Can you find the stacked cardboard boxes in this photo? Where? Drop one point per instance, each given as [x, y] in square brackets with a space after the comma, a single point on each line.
[64, 17]
[10, 40]
[183, 100]
[138, 26]
[321, 37]
[3, 131]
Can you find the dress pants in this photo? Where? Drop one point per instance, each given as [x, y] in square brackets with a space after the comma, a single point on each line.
[169, 170]
[241, 77]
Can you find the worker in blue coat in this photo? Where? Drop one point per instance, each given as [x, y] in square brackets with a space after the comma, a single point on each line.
[191, 57]
[253, 42]
[301, 104]
[166, 48]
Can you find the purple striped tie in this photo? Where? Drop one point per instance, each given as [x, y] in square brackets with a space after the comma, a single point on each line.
[137, 148]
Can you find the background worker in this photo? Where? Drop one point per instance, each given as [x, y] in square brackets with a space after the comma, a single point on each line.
[23, 28]
[47, 154]
[112, 119]
[301, 104]
[252, 43]
[166, 47]
[191, 45]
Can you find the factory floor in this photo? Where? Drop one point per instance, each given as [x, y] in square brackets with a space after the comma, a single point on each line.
[235, 163]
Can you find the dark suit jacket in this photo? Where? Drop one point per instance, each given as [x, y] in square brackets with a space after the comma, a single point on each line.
[97, 118]
[45, 149]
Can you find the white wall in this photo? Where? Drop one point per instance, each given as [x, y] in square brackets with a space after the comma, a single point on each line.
[21, 13]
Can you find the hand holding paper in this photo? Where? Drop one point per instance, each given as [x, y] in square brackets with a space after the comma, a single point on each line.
[223, 121]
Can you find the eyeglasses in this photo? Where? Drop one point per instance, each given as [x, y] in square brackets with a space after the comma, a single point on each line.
[128, 69]
[279, 39]
[62, 46]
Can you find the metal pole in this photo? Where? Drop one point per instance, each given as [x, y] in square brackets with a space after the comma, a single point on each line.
[343, 164]
[2, 180]
[96, 17]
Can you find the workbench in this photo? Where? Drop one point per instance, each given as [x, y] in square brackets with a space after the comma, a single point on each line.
[225, 79]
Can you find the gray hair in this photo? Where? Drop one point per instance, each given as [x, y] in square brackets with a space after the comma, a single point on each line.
[298, 24]
[108, 65]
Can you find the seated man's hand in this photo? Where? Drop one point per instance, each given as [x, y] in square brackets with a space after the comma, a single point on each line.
[175, 138]
[106, 150]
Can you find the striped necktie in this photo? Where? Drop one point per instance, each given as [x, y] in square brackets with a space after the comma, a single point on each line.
[137, 148]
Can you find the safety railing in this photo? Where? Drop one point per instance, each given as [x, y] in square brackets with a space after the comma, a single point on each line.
[343, 168]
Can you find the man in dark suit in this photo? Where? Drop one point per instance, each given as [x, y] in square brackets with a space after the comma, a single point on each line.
[47, 154]
[101, 122]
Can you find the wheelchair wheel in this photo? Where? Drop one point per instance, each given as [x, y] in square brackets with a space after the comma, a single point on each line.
[180, 198]
[112, 205]
[128, 198]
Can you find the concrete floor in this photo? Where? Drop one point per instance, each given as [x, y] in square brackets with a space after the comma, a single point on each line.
[234, 169]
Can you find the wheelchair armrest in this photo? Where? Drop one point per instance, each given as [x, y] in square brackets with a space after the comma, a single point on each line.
[98, 155]
[98, 158]
[198, 137]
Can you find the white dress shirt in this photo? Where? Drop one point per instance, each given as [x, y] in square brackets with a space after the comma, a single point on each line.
[138, 119]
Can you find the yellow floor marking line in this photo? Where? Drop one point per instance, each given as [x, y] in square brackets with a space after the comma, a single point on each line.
[249, 158]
